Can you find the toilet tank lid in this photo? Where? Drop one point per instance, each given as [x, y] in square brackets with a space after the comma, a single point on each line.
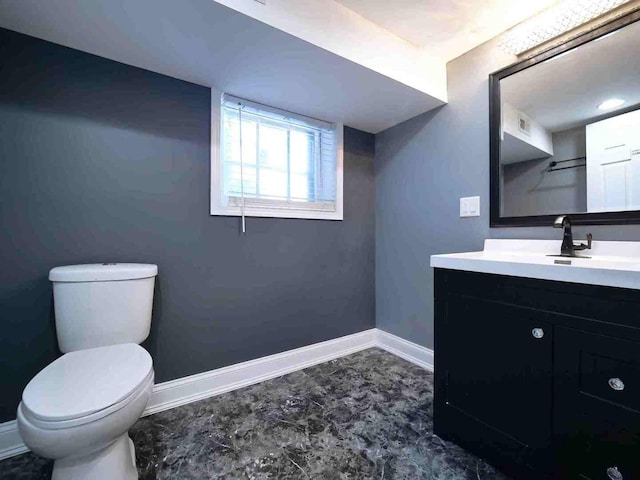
[102, 272]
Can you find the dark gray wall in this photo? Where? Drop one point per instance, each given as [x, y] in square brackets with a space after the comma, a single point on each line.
[100, 161]
[528, 189]
[423, 167]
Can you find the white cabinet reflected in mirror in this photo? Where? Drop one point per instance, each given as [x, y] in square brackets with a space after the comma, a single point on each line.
[565, 132]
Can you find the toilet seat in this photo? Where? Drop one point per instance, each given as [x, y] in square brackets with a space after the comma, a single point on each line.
[86, 385]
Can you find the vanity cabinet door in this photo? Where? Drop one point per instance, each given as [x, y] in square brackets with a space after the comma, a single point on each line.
[597, 406]
[497, 362]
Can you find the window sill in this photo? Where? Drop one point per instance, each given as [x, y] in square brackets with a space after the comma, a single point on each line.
[278, 213]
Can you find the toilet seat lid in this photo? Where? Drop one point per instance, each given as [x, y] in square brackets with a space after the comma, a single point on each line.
[86, 381]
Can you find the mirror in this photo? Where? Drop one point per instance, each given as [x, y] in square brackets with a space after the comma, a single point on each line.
[565, 132]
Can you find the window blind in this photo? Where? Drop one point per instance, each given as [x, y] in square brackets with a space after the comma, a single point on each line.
[287, 161]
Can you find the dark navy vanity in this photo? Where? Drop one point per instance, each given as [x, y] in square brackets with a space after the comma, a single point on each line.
[539, 377]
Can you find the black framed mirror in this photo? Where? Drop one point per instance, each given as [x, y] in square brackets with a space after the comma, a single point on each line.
[565, 132]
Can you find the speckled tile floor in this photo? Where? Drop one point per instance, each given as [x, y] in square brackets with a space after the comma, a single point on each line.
[364, 416]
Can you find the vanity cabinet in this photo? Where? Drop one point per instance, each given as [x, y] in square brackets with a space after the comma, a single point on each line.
[540, 378]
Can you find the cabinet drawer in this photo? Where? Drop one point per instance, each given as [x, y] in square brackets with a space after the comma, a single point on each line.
[596, 443]
[603, 468]
[610, 453]
[610, 371]
[598, 373]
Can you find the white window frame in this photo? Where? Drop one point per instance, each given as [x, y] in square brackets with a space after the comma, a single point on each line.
[219, 208]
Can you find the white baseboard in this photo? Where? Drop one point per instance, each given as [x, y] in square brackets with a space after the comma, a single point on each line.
[412, 352]
[10, 441]
[185, 390]
[190, 389]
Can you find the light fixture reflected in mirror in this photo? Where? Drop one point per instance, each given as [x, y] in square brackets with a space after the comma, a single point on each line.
[611, 103]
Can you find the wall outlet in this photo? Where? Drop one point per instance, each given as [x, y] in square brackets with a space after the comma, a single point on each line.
[470, 207]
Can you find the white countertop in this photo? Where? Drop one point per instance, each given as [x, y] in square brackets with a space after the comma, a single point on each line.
[612, 264]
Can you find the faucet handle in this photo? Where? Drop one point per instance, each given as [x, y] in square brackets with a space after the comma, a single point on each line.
[582, 246]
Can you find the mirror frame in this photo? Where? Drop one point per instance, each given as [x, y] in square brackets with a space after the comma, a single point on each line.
[496, 220]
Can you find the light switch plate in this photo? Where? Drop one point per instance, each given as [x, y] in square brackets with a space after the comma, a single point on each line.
[470, 207]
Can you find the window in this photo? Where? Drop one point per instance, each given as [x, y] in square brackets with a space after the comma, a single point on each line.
[273, 163]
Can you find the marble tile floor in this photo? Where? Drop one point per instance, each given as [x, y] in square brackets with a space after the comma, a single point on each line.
[364, 416]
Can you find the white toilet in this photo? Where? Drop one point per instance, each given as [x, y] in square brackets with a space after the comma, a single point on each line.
[78, 410]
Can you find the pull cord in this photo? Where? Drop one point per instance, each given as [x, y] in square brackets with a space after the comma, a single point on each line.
[244, 225]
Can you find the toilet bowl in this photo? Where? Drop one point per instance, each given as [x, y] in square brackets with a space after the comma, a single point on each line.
[78, 410]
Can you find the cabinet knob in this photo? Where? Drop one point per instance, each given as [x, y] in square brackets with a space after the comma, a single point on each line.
[537, 333]
[614, 474]
[617, 385]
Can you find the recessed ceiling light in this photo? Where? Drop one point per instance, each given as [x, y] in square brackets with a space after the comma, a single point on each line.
[611, 103]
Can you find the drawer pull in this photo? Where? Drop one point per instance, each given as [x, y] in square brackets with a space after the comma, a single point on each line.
[537, 333]
[617, 385]
[614, 474]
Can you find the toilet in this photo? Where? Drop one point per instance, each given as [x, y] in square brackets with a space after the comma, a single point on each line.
[79, 408]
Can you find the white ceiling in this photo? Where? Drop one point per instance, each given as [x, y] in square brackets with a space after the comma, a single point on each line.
[209, 44]
[446, 29]
[564, 92]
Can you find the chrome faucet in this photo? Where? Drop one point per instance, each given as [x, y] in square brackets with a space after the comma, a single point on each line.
[568, 248]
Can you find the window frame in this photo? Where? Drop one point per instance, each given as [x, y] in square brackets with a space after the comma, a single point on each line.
[217, 206]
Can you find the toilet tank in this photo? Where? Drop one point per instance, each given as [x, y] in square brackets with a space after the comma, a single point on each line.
[102, 304]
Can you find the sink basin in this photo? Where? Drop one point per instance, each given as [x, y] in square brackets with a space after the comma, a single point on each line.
[615, 264]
